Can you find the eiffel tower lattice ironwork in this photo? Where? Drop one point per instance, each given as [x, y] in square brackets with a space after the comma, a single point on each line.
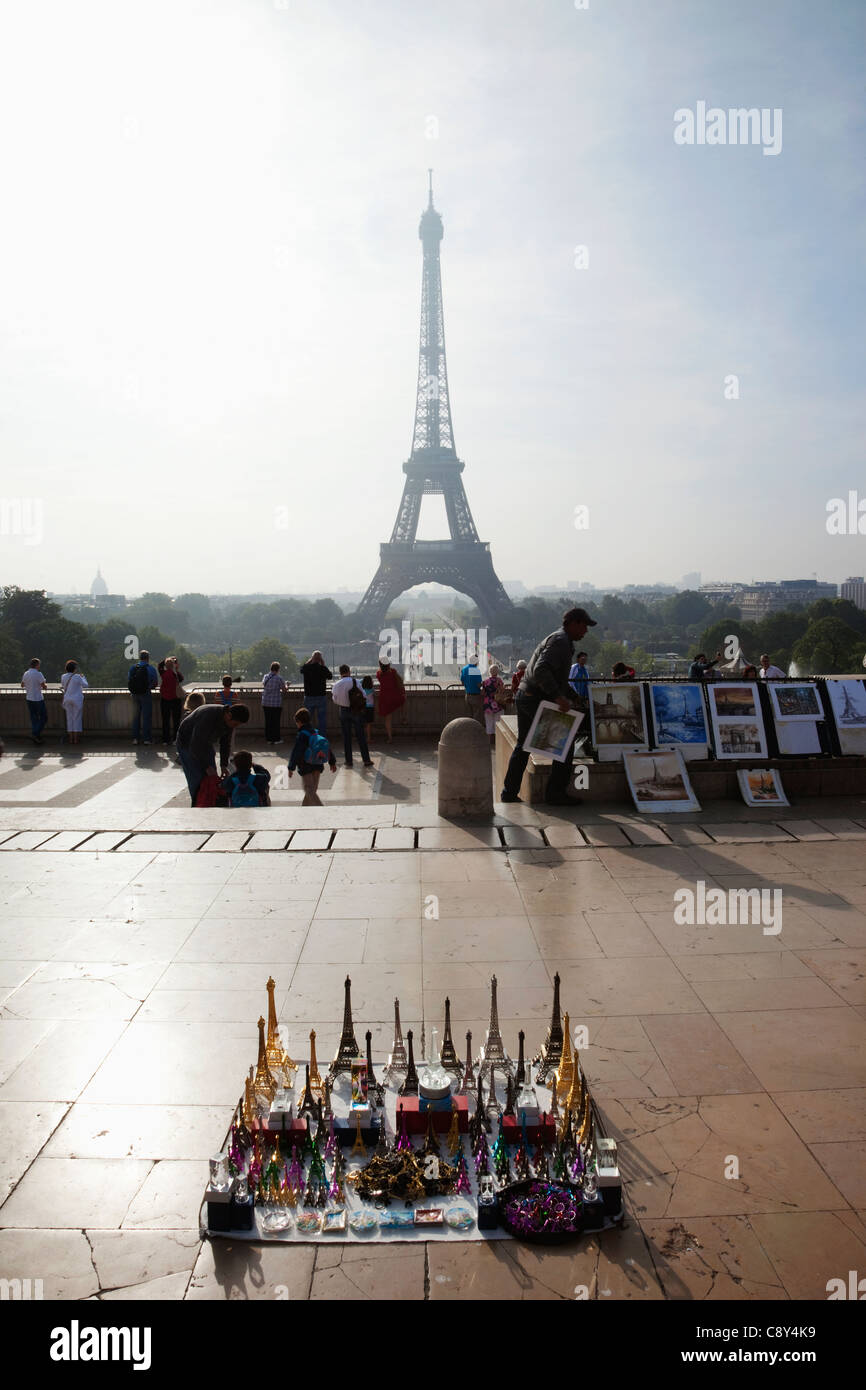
[348, 1050]
[463, 562]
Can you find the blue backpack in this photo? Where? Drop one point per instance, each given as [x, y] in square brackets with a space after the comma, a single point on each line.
[244, 793]
[318, 751]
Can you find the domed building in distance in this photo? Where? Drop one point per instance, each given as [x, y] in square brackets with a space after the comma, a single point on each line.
[99, 588]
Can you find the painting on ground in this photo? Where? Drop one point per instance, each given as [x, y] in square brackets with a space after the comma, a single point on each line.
[616, 717]
[659, 781]
[761, 786]
[679, 717]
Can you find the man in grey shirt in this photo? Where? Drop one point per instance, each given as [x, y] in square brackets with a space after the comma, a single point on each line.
[198, 735]
[546, 678]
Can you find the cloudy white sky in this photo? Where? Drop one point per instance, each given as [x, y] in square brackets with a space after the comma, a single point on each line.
[210, 280]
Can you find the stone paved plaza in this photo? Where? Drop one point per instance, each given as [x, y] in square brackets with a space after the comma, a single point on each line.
[137, 936]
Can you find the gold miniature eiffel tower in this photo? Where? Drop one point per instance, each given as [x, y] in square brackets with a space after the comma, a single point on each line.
[278, 1057]
[264, 1084]
[453, 1140]
[574, 1100]
[565, 1071]
[249, 1110]
[315, 1078]
[359, 1147]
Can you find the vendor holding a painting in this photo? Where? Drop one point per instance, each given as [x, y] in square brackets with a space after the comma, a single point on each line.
[547, 678]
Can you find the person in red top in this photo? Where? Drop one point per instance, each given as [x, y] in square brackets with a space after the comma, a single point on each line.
[621, 672]
[170, 679]
[392, 694]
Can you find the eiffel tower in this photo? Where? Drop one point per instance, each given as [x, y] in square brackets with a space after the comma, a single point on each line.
[464, 562]
[493, 1052]
[348, 1050]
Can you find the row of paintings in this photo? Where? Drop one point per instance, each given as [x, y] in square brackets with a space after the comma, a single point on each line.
[679, 719]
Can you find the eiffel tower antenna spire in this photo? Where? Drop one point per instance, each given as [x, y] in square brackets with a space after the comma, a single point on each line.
[433, 469]
[348, 1050]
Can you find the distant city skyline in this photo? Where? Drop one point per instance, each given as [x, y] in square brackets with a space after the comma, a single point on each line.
[212, 288]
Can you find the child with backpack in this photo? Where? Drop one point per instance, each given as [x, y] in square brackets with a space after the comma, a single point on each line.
[309, 755]
[248, 784]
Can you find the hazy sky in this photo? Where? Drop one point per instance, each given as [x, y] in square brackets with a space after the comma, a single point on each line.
[210, 284]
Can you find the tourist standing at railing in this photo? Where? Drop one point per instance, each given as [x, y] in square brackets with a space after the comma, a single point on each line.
[700, 668]
[369, 690]
[494, 696]
[273, 690]
[315, 676]
[517, 675]
[392, 694]
[34, 684]
[546, 678]
[770, 672]
[471, 679]
[225, 697]
[621, 672]
[141, 681]
[73, 685]
[578, 679]
[170, 695]
[348, 696]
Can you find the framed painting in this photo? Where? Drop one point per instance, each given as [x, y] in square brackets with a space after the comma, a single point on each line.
[616, 716]
[659, 781]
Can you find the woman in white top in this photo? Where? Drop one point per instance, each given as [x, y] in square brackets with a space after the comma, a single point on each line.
[73, 685]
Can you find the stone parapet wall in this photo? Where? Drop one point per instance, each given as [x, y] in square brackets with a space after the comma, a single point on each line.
[106, 712]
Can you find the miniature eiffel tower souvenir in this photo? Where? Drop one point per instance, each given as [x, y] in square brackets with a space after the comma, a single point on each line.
[359, 1147]
[331, 1145]
[423, 1037]
[383, 1148]
[481, 1119]
[397, 1060]
[326, 1099]
[404, 1143]
[448, 1056]
[243, 1135]
[263, 1084]
[560, 1169]
[347, 1048]
[317, 1164]
[410, 1081]
[463, 1186]
[566, 1132]
[554, 1105]
[520, 1074]
[493, 1052]
[526, 1099]
[307, 1146]
[468, 1070]
[539, 1160]
[375, 1089]
[482, 1158]
[315, 1077]
[322, 1195]
[547, 1060]
[431, 1143]
[295, 1172]
[453, 1140]
[307, 1104]
[565, 1070]
[509, 1095]
[278, 1057]
[493, 1107]
[249, 1111]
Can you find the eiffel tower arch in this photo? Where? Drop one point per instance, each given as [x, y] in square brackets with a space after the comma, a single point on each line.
[463, 562]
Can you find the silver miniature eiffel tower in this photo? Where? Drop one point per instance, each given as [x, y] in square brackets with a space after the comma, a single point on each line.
[550, 1056]
[348, 1050]
[448, 1056]
[493, 1107]
[493, 1051]
[397, 1061]
[468, 1071]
